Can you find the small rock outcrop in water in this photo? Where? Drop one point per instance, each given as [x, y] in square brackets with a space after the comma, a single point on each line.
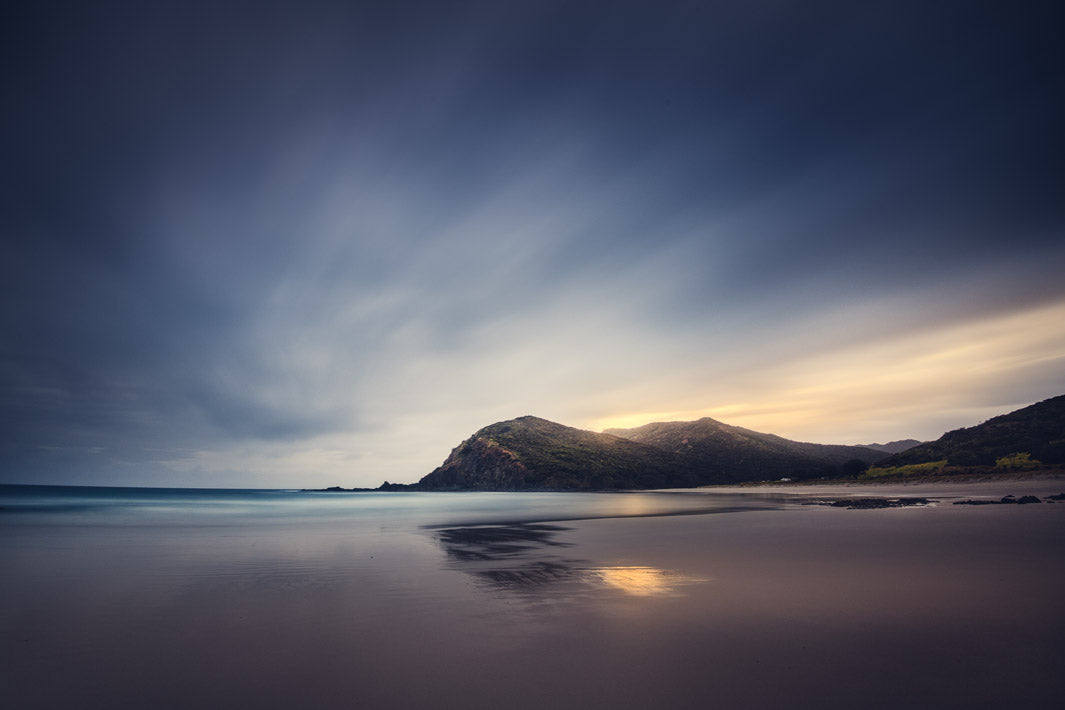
[336, 489]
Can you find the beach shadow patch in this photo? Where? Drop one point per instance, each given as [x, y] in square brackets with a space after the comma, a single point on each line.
[534, 575]
[497, 542]
[513, 557]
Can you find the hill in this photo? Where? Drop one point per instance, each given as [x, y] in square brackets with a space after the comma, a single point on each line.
[529, 453]
[1037, 430]
[745, 455]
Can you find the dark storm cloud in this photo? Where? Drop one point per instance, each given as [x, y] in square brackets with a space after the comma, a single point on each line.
[275, 223]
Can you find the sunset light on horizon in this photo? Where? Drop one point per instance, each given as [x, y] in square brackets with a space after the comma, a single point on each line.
[863, 393]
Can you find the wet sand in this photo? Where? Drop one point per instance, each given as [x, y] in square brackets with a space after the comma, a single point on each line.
[775, 603]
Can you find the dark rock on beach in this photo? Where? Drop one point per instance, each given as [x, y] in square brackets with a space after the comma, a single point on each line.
[1009, 500]
[876, 503]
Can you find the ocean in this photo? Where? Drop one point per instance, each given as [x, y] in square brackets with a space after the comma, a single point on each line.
[181, 598]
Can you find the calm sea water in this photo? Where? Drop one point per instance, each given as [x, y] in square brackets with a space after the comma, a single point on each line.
[127, 597]
[66, 505]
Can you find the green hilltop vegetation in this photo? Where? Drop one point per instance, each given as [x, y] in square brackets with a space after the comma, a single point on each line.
[911, 470]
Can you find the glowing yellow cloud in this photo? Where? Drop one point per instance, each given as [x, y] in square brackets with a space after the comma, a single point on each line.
[883, 386]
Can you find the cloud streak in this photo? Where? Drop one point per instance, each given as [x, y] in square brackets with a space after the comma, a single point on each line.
[316, 245]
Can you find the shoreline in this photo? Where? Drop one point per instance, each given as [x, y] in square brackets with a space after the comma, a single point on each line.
[1034, 478]
[1044, 474]
[940, 490]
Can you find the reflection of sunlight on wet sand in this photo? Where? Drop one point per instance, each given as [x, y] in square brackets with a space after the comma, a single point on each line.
[642, 581]
[633, 505]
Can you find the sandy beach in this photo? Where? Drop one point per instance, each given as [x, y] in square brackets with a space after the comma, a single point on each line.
[758, 599]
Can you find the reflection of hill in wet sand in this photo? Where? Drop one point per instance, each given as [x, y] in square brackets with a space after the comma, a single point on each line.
[509, 556]
[520, 557]
[493, 542]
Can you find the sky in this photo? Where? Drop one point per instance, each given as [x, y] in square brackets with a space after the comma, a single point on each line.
[271, 244]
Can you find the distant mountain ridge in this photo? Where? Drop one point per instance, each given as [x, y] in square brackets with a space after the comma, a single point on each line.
[530, 453]
[894, 447]
[741, 454]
